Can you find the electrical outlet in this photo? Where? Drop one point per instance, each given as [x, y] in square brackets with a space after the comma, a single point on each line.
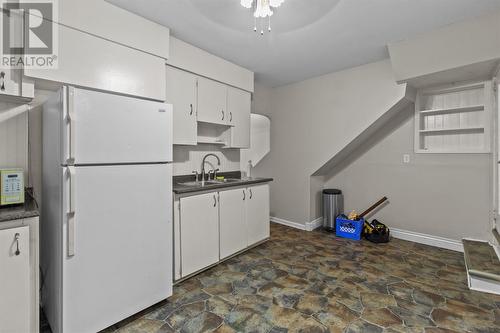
[406, 158]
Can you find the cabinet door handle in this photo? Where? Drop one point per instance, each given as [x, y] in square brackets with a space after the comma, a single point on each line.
[251, 194]
[230, 116]
[244, 195]
[191, 107]
[16, 239]
[2, 76]
[223, 114]
[215, 201]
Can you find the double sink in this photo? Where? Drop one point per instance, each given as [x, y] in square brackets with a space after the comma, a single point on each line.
[210, 182]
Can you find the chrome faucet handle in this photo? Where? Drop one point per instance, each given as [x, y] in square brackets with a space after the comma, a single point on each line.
[209, 172]
[215, 173]
[196, 173]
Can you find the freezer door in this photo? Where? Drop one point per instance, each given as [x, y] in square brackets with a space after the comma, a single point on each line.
[102, 128]
[121, 259]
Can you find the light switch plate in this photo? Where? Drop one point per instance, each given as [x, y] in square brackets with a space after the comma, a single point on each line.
[406, 158]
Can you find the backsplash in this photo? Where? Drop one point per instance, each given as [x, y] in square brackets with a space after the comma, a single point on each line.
[188, 158]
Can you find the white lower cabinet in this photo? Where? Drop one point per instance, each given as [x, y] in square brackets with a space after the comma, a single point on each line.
[233, 230]
[214, 226]
[257, 213]
[19, 276]
[199, 232]
[15, 280]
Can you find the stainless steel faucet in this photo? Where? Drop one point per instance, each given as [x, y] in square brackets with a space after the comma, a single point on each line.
[203, 165]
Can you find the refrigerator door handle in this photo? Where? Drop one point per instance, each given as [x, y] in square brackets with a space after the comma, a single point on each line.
[71, 212]
[72, 127]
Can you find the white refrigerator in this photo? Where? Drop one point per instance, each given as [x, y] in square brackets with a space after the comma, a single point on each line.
[106, 228]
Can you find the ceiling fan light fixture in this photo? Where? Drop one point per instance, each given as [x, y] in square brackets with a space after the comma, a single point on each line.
[247, 3]
[276, 3]
[262, 9]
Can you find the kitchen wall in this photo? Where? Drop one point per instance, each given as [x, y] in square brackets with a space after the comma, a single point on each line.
[311, 121]
[20, 147]
[446, 195]
[13, 136]
[261, 99]
[189, 158]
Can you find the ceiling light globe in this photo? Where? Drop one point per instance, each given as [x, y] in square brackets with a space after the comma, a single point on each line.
[276, 3]
[247, 3]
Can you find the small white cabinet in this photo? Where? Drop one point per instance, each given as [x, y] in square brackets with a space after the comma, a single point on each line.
[233, 230]
[19, 301]
[257, 213]
[238, 106]
[15, 280]
[181, 93]
[199, 232]
[13, 84]
[212, 102]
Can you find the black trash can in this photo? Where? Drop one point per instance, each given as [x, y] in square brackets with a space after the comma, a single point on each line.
[333, 206]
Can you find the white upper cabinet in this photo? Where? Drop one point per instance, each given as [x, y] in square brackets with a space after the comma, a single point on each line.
[238, 106]
[115, 24]
[212, 102]
[12, 81]
[193, 59]
[89, 61]
[181, 93]
[233, 231]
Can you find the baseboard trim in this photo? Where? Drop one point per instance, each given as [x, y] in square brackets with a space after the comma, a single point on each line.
[483, 285]
[315, 224]
[431, 240]
[412, 236]
[291, 224]
[308, 226]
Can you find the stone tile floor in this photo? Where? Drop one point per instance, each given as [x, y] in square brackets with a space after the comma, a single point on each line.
[315, 282]
[482, 257]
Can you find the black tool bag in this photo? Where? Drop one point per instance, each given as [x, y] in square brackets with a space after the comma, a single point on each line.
[376, 232]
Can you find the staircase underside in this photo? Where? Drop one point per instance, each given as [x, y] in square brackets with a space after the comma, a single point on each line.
[483, 266]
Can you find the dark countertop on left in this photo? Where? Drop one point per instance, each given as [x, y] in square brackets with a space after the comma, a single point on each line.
[18, 212]
[178, 188]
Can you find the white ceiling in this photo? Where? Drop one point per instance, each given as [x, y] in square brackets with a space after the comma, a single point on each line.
[309, 37]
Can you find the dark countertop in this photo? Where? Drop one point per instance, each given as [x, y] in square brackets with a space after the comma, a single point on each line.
[18, 212]
[181, 189]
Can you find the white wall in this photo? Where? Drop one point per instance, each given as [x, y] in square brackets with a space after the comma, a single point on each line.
[311, 121]
[19, 147]
[188, 158]
[446, 195]
[13, 136]
[459, 45]
[261, 99]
